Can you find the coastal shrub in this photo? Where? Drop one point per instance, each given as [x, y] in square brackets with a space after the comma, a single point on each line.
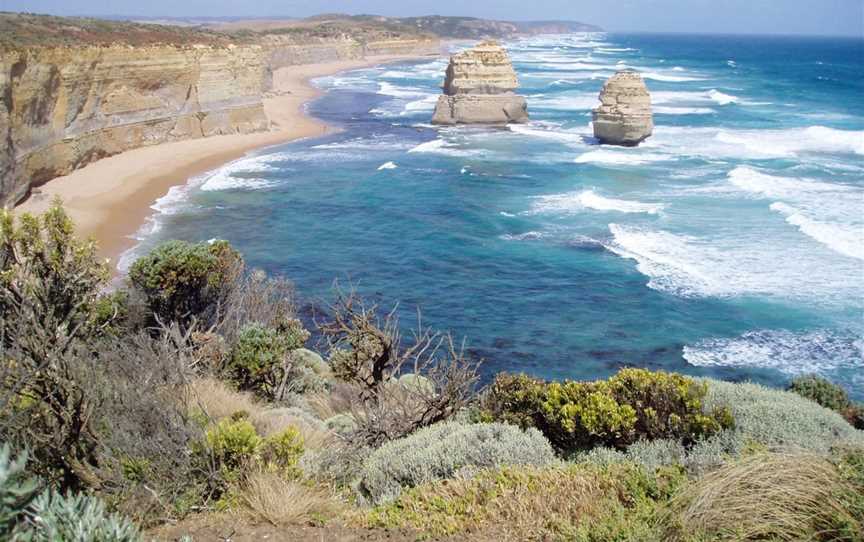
[769, 496]
[234, 444]
[262, 360]
[442, 450]
[778, 419]
[185, 281]
[26, 514]
[54, 517]
[516, 503]
[633, 405]
[822, 391]
[829, 395]
[281, 452]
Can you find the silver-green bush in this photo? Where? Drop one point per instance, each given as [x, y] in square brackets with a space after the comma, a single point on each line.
[75, 518]
[777, 418]
[440, 451]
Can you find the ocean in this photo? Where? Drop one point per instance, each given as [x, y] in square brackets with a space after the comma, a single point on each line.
[730, 244]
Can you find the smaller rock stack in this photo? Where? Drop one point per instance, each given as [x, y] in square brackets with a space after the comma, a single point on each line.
[479, 89]
[624, 114]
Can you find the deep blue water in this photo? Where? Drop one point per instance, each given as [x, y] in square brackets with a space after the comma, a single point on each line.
[731, 243]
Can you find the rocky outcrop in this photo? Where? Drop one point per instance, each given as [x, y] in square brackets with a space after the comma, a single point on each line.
[64, 107]
[479, 89]
[624, 114]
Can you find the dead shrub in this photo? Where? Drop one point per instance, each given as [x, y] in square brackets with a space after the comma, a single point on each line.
[367, 350]
[269, 497]
[773, 496]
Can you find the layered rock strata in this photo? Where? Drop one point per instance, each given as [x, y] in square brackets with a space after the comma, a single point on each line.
[479, 89]
[64, 107]
[624, 115]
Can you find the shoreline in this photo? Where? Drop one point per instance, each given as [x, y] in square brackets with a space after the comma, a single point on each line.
[111, 199]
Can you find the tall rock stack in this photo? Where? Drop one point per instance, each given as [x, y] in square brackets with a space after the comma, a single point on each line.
[479, 89]
[624, 114]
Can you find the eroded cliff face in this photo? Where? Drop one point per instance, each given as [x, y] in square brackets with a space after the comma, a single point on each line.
[479, 89]
[624, 115]
[64, 107]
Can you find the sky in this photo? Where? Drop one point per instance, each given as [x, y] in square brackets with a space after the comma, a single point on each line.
[821, 17]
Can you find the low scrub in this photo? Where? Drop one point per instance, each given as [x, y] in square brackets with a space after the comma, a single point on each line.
[566, 502]
[633, 405]
[443, 451]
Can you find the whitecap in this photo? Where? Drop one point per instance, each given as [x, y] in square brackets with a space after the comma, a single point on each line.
[669, 78]
[573, 202]
[387, 165]
[661, 110]
[841, 238]
[238, 175]
[793, 353]
[527, 236]
[628, 157]
[721, 98]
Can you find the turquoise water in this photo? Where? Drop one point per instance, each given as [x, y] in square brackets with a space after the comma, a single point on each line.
[730, 244]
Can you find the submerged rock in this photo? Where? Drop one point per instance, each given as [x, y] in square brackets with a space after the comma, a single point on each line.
[479, 89]
[624, 114]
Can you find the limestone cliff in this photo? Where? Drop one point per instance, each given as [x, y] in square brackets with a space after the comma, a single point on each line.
[624, 115]
[479, 88]
[90, 89]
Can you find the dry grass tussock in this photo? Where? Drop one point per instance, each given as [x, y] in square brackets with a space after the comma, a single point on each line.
[219, 401]
[274, 421]
[271, 498]
[780, 496]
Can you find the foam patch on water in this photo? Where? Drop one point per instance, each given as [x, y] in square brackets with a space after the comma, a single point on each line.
[772, 186]
[734, 266]
[527, 236]
[239, 175]
[661, 110]
[389, 89]
[550, 131]
[444, 147]
[626, 157]
[793, 353]
[840, 238]
[387, 165]
[574, 202]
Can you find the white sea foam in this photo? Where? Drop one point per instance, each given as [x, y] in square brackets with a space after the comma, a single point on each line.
[567, 102]
[655, 76]
[239, 175]
[842, 238]
[444, 147]
[389, 89]
[756, 182]
[683, 110]
[387, 165]
[575, 202]
[547, 131]
[793, 353]
[626, 157]
[735, 265]
[527, 236]
[721, 98]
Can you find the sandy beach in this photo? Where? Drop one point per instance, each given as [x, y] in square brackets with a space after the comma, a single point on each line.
[110, 199]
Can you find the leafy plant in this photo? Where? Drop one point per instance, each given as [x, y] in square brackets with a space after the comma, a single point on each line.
[633, 405]
[184, 281]
[233, 443]
[829, 395]
[259, 360]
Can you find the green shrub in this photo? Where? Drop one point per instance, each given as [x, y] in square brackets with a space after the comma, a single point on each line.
[183, 280]
[831, 396]
[633, 405]
[441, 451]
[233, 443]
[821, 391]
[282, 452]
[260, 359]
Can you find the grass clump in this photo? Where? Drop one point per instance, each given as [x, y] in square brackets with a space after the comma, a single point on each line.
[269, 497]
[442, 451]
[633, 405]
[777, 496]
